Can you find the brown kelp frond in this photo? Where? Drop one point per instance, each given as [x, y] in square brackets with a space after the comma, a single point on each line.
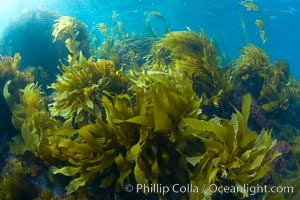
[9, 70]
[137, 137]
[72, 34]
[251, 69]
[31, 117]
[275, 90]
[80, 87]
[196, 56]
[30, 102]
[281, 92]
[173, 89]
[234, 154]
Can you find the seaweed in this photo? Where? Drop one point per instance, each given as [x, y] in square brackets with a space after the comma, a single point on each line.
[259, 23]
[70, 33]
[13, 183]
[116, 34]
[276, 91]
[196, 57]
[10, 71]
[280, 93]
[146, 136]
[234, 154]
[106, 127]
[251, 70]
[79, 89]
[31, 117]
[137, 137]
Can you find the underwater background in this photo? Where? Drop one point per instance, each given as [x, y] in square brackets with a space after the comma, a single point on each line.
[223, 21]
[149, 99]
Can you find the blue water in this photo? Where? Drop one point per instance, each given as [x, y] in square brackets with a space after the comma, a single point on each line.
[221, 20]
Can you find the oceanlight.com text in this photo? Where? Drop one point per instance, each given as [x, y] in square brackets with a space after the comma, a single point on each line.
[212, 188]
[250, 189]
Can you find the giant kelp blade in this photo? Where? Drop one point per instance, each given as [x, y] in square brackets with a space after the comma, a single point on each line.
[246, 106]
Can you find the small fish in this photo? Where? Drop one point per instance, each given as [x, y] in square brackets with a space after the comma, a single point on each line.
[260, 23]
[249, 5]
[102, 28]
[272, 17]
[158, 15]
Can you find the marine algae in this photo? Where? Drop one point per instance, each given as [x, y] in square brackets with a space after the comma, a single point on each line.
[251, 70]
[234, 154]
[137, 138]
[271, 85]
[10, 71]
[72, 34]
[80, 87]
[261, 25]
[147, 125]
[195, 56]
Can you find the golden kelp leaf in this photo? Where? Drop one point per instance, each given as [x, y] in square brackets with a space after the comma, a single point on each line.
[17, 147]
[8, 97]
[60, 142]
[160, 104]
[263, 170]
[246, 106]
[142, 120]
[213, 145]
[195, 56]
[125, 169]
[139, 175]
[155, 171]
[202, 125]
[246, 155]
[104, 162]
[212, 174]
[117, 109]
[134, 155]
[67, 171]
[78, 182]
[194, 160]
[86, 133]
[236, 164]
[257, 162]
[233, 151]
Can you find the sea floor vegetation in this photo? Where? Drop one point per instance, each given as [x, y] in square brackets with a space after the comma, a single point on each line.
[151, 111]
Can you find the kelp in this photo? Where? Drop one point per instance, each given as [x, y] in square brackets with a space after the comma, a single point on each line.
[281, 92]
[234, 154]
[10, 71]
[79, 89]
[139, 137]
[115, 34]
[107, 128]
[271, 85]
[132, 52]
[196, 56]
[72, 34]
[259, 23]
[12, 180]
[32, 118]
[251, 70]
